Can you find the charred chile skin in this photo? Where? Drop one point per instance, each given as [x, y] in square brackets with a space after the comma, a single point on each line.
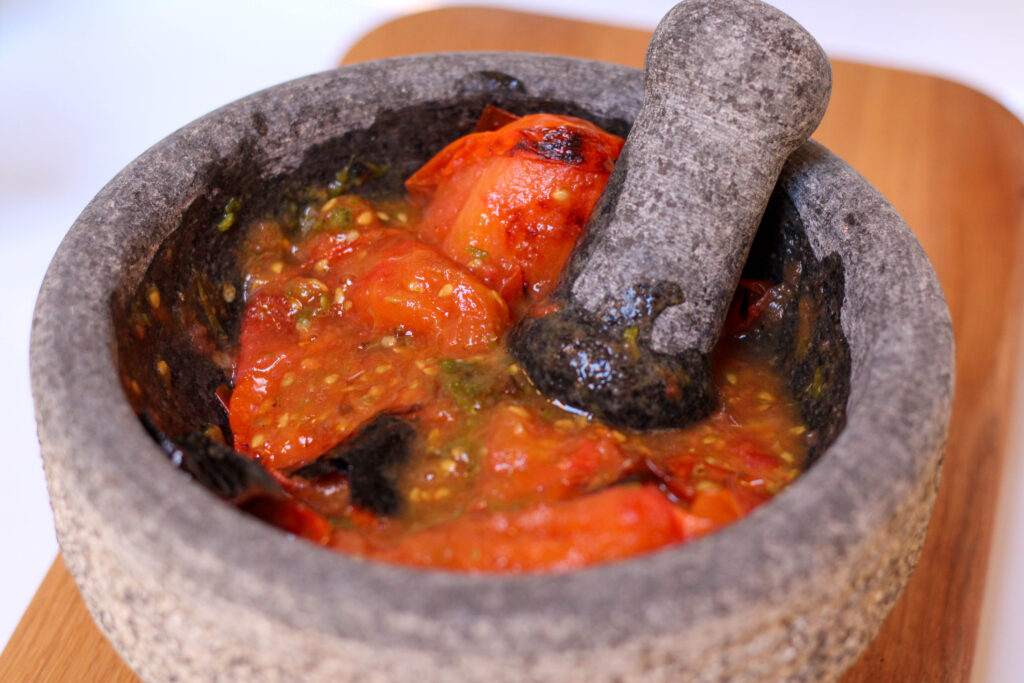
[603, 361]
[372, 459]
[222, 470]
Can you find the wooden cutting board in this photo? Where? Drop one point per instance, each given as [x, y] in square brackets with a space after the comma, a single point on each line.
[951, 161]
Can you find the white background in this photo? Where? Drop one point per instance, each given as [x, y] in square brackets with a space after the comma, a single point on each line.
[84, 88]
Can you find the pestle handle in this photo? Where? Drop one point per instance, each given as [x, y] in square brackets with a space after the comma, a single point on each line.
[732, 87]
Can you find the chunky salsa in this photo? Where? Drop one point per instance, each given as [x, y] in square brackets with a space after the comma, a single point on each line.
[373, 384]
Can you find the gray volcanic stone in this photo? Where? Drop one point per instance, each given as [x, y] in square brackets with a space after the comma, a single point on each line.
[187, 587]
[732, 87]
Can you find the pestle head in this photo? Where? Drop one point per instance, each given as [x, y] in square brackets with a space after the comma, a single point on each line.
[732, 87]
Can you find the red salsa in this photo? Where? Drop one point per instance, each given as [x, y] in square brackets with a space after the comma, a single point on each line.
[399, 308]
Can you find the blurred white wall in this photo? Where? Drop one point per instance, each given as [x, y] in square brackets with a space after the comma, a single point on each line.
[85, 87]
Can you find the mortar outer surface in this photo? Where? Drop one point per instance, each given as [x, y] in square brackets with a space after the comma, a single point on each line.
[188, 587]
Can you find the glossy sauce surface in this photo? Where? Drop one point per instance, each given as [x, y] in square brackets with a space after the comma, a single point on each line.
[398, 308]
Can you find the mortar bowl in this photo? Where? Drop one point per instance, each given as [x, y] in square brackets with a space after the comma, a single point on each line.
[187, 587]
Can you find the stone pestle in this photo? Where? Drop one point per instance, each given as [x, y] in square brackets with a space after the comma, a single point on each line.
[732, 87]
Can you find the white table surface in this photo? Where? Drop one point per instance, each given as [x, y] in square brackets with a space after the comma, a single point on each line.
[86, 87]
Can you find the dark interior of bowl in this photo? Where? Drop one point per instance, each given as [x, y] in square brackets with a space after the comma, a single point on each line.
[177, 329]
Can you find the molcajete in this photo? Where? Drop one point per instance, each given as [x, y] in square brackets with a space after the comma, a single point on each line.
[187, 587]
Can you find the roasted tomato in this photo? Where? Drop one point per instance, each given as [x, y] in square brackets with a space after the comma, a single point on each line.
[610, 524]
[348, 334]
[531, 459]
[414, 288]
[511, 203]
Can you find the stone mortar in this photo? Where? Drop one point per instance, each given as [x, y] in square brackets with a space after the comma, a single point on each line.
[189, 588]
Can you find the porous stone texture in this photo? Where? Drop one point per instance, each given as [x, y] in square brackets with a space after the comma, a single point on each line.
[732, 87]
[188, 588]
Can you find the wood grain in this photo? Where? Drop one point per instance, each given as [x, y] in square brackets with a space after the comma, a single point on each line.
[949, 159]
[57, 640]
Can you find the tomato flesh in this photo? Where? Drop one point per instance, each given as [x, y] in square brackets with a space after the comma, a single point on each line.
[510, 204]
[612, 524]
